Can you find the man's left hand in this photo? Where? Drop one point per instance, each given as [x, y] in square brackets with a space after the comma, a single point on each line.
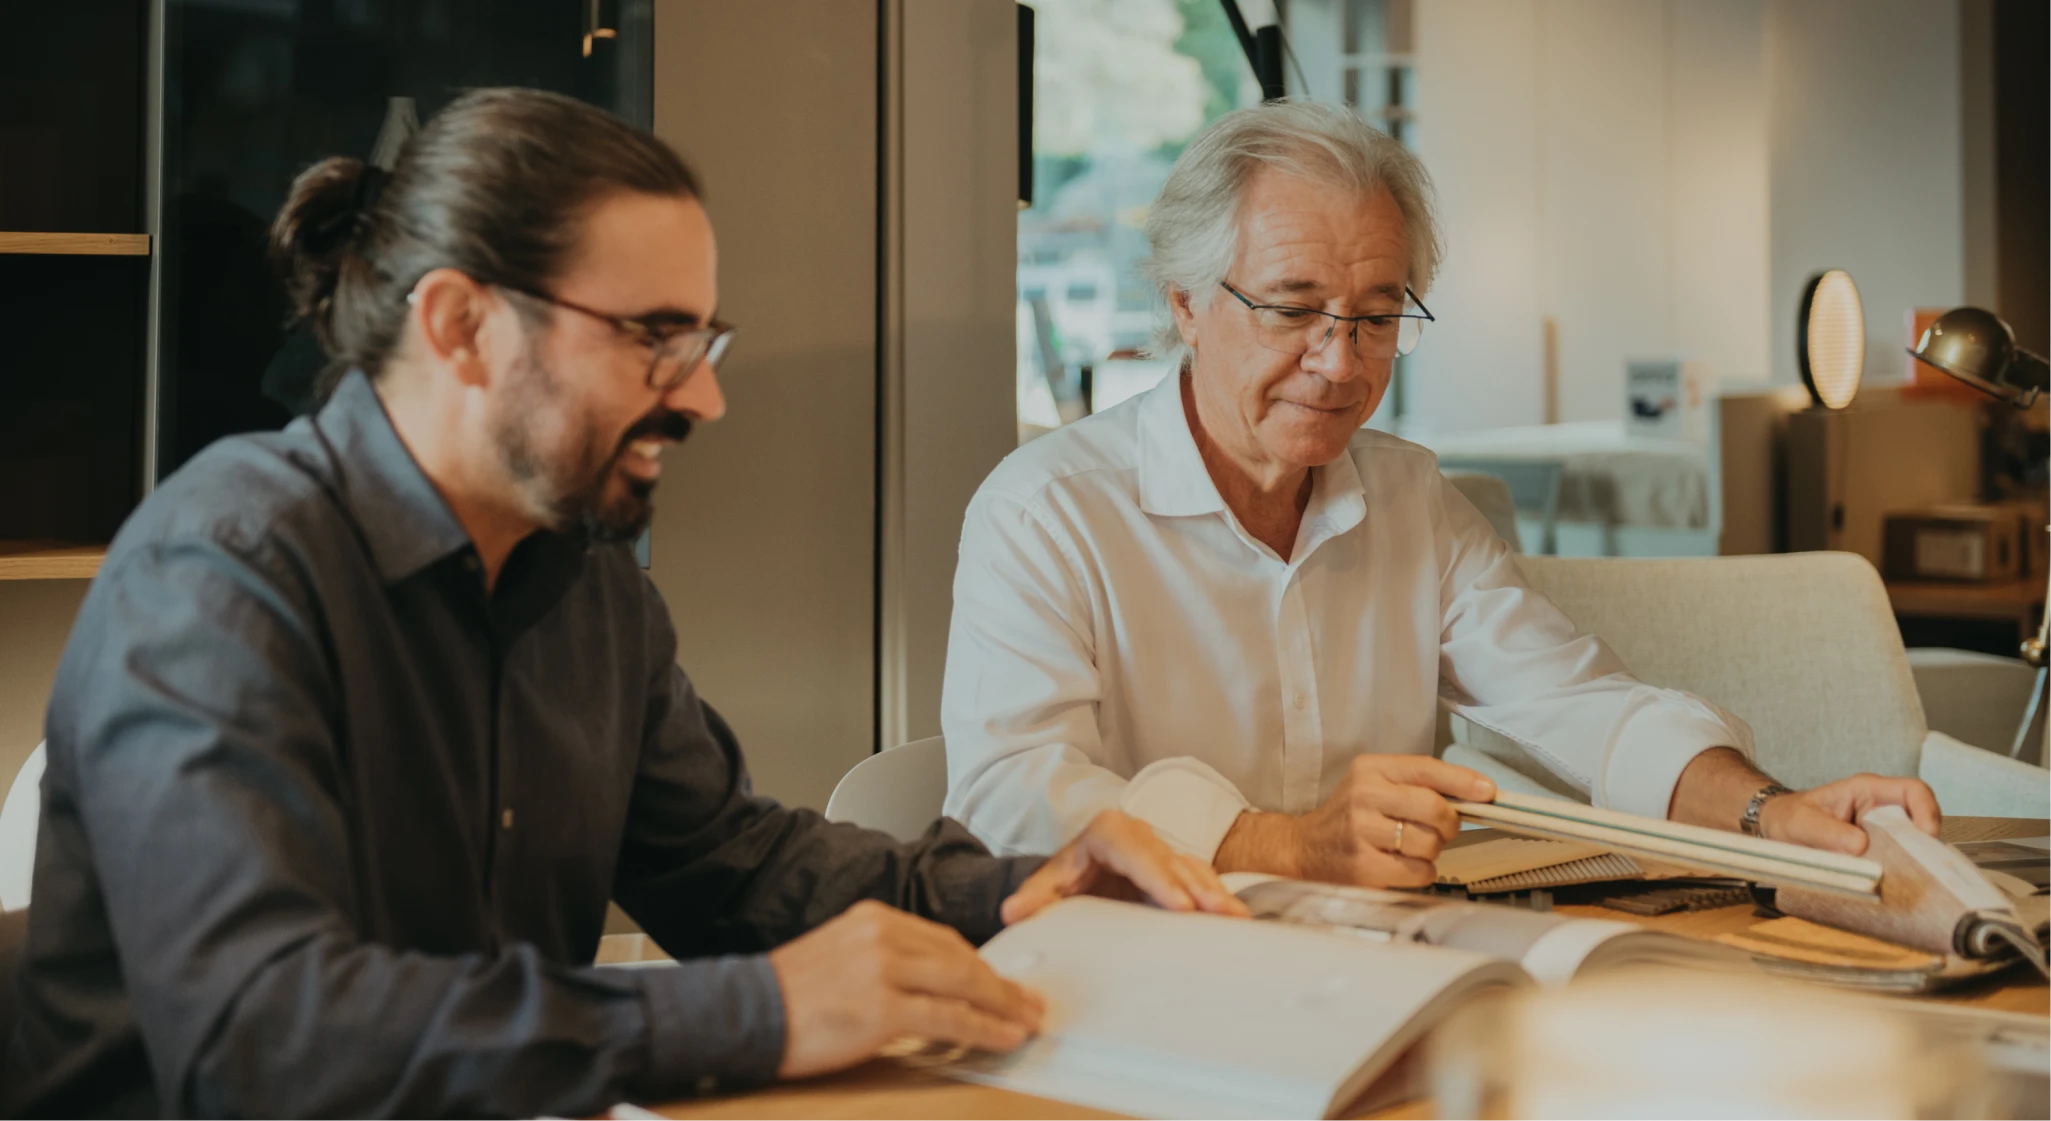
[1826, 817]
[1119, 856]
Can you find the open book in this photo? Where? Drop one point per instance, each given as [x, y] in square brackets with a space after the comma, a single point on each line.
[1295, 1014]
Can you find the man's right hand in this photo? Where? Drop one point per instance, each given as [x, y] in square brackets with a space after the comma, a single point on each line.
[876, 974]
[1353, 838]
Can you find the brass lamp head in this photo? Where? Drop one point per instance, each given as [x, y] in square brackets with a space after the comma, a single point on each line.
[1976, 347]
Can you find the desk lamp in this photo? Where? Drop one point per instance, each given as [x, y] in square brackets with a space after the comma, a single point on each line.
[1976, 347]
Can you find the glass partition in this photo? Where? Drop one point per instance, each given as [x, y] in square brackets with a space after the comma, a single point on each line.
[256, 90]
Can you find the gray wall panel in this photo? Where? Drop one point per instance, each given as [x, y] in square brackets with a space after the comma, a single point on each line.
[764, 532]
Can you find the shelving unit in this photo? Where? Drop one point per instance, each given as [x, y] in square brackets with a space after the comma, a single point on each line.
[49, 560]
[76, 252]
[76, 245]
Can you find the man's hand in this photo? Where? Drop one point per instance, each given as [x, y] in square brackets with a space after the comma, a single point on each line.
[1716, 786]
[1383, 827]
[874, 975]
[1120, 856]
[1826, 817]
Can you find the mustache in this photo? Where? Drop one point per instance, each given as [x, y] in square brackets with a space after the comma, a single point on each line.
[662, 424]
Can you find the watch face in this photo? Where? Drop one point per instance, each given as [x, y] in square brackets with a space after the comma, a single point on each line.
[1749, 823]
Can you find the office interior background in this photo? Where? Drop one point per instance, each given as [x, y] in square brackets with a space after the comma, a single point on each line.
[1622, 182]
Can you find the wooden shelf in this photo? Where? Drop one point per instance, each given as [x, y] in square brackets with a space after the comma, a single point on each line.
[2014, 599]
[49, 560]
[87, 245]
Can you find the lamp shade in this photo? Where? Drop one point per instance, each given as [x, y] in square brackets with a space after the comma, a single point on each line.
[1831, 338]
[1976, 346]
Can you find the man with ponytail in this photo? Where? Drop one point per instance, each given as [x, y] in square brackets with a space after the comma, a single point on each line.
[364, 722]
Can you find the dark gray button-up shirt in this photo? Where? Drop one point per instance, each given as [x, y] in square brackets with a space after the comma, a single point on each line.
[328, 830]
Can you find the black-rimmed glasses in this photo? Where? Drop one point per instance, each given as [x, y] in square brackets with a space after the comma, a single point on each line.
[1295, 330]
[673, 354]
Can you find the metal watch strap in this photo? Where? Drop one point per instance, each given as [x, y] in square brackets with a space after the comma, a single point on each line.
[1749, 823]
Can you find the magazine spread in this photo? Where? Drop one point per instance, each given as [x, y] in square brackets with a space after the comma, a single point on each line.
[1147, 1009]
[1551, 948]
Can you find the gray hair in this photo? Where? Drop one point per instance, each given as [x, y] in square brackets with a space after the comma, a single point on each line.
[1193, 227]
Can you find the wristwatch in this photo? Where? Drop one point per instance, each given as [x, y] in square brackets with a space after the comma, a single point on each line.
[1749, 824]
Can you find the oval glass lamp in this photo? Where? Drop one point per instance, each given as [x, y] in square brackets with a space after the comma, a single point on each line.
[1831, 338]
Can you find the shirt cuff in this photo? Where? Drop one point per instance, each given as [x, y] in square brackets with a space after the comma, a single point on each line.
[1189, 804]
[970, 892]
[1640, 777]
[713, 1024]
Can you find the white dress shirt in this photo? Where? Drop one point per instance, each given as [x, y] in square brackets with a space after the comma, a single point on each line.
[1119, 641]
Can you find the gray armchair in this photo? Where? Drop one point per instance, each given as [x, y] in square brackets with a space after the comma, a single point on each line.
[1803, 647]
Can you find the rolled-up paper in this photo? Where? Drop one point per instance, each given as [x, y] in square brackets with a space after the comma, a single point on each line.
[1928, 892]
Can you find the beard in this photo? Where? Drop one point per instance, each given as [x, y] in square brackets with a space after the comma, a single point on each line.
[578, 488]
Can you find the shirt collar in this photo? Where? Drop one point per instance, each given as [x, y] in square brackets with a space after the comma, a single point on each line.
[1338, 501]
[1173, 479]
[400, 514]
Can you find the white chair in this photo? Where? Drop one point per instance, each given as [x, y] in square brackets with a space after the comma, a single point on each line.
[1803, 647]
[1534, 487]
[19, 817]
[1491, 496]
[1980, 699]
[899, 791]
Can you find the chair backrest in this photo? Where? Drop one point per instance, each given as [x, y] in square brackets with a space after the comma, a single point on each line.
[1491, 496]
[899, 791]
[19, 817]
[1981, 699]
[1534, 488]
[1802, 647]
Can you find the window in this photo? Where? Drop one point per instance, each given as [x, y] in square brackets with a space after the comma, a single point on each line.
[1359, 53]
[1120, 87]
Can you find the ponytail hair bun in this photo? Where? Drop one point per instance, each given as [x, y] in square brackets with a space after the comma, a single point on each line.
[314, 234]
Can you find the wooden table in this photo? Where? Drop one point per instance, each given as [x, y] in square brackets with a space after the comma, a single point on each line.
[886, 1089]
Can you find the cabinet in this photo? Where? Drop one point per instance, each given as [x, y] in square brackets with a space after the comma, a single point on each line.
[145, 146]
[75, 258]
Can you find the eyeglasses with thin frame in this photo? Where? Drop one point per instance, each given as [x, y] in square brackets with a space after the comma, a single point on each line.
[673, 354]
[1296, 330]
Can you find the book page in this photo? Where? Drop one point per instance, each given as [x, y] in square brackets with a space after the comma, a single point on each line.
[1164, 1014]
[1551, 948]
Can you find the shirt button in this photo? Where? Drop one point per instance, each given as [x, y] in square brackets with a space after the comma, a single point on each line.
[470, 561]
[1299, 700]
[506, 819]
[707, 1084]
